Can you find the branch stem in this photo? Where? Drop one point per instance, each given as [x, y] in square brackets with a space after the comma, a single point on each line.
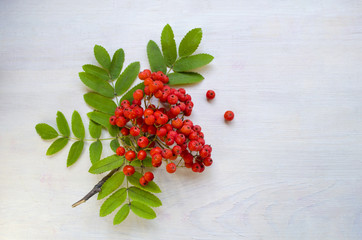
[96, 189]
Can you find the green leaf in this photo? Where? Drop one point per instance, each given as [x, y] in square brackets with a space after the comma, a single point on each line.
[97, 84]
[114, 144]
[95, 129]
[57, 145]
[77, 125]
[168, 45]
[102, 56]
[45, 131]
[190, 42]
[111, 184]
[100, 103]
[129, 95]
[107, 164]
[62, 124]
[74, 152]
[121, 214]
[103, 119]
[127, 77]
[151, 186]
[157, 62]
[113, 202]
[117, 63]
[192, 62]
[144, 197]
[96, 71]
[142, 210]
[95, 151]
[184, 78]
[147, 162]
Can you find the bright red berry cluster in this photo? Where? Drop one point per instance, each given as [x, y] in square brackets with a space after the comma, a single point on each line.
[161, 131]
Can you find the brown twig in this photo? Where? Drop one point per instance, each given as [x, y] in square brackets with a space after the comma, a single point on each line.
[96, 189]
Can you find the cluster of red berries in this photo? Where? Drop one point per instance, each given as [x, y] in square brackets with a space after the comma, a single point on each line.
[161, 131]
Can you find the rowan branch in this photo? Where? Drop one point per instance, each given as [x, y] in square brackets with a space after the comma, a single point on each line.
[96, 189]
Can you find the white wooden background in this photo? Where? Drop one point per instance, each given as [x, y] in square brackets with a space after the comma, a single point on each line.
[288, 167]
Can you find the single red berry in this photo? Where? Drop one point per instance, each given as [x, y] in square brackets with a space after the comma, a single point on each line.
[229, 115]
[186, 129]
[120, 151]
[152, 130]
[148, 82]
[161, 132]
[196, 167]
[125, 131]
[134, 131]
[182, 106]
[168, 127]
[175, 110]
[149, 176]
[156, 160]
[207, 161]
[130, 155]
[210, 94]
[166, 153]
[147, 91]
[121, 121]
[125, 103]
[156, 150]
[188, 158]
[141, 155]
[128, 170]
[148, 112]
[202, 167]
[171, 167]
[143, 181]
[180, 139]
[201, 141]
[162, 119]
[177, 123]
[172, 99]
[150, 119]
[172, 134]
[193, 145]
[204, 153]
[170, 141]
[142, 142]
[112, 120]
[118, 112]
[193, 136]
[176, 150]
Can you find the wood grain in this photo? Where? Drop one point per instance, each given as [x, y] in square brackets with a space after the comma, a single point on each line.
[289, 165]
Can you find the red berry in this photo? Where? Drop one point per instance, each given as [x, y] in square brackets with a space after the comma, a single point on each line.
[229, 115]
[121, 121]
[180, 139]
[130, 155]
[143, 181]
[125, 131]
[172, 99]
[149, 176]
[134, 131]
[161, 132]
[186, 129]
[171, 167]
[207, 161]
[152, 130]
[148, 82]
[128, 170]
[162, 119]
[125, 103]
[156, 160]
[166, 153]
[176, 150]
[175, 110]
[148, 112]
[118, 112]
[177, 123]
[120, 151]
[141, 155]
[156, 150]
[210, 94]
[112, 120]
[150, 119]
[142, 142]
[196, 167]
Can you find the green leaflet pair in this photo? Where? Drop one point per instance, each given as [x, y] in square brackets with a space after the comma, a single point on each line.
[110, 85]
